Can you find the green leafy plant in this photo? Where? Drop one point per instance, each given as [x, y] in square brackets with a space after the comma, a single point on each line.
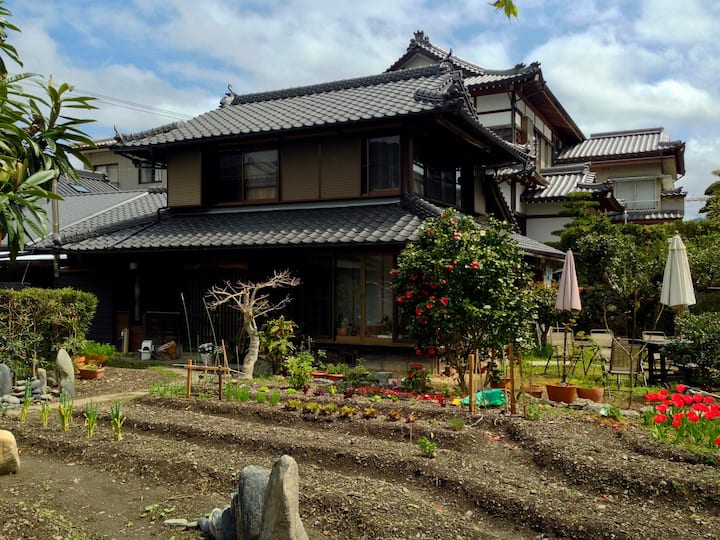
[393, 415]
[332, 390]
[311, 407]
[27, 401]
[117, 419]
[157, 512]
[328, 409]
[274, 397]
[261, 397]
[456, 423]
[347, 411]
[369, 412]
[276, 341]
[533, 413]
[427, 447]
[91, 416]
[65, 410]
[418, 379]
[100, 349]
[291, 391]
[44, 413]
[161, 389]
[299, 369]
[294, 404]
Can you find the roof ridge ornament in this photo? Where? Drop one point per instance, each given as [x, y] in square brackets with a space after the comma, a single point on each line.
[229, 97]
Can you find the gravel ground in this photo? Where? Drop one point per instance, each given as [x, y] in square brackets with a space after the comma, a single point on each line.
[569, 474]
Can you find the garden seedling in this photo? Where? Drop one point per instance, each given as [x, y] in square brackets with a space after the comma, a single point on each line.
[91, 414]
[261, 397]
[427, 447]
[27, 400]
[117, 419]
[65, 410]
[44, 413]
[275, 398]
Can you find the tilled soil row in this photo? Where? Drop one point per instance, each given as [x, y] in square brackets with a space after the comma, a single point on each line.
[550, 499]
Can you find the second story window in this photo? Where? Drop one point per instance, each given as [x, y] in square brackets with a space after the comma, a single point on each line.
[638, 194]
[248, 176]
[149, 175]
[438, 184]
[383, 163]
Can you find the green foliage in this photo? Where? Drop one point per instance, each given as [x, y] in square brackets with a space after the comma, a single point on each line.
[34, 321]
[456, 423]
[294, 404]
[27, 400]
[700, 347]
[65, 410]
[91, 415]
[261, 397]
[427, 447]
[117, 419]
[328, 409]
[165, 389]
[507, 6]
[712, 206]
[463, 287]
[417, 379]
[299, 368]
[44, 413]
[275, 397]
[276, 341]
[347, 412]
[39, 139]
[100, 349]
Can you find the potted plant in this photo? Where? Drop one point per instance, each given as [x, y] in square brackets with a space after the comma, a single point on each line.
[91, 371]
[98, 353]
[561, 392]
[341, 328]
[590, 391]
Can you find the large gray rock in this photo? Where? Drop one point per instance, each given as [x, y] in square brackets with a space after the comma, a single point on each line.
[6, 379]
[216, 523]
[9, 457]
[249, 501]
[65, 372]
[39, 385]
[281, 516]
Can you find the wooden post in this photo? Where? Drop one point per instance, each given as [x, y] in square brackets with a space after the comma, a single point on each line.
[220, 387]
[471, 382]
[513, 409]
[188, 385]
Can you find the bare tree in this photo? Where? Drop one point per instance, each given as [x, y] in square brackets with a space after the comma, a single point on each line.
[253, 301]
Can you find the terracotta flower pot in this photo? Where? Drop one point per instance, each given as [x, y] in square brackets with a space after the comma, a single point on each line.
[335, 376]
[594, 394]
[534, 390]
[87, 373]
[560, 393]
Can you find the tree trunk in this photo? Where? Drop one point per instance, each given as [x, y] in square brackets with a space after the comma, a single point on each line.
[253, 348]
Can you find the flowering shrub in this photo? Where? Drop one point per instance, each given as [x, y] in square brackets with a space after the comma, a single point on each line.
[418, 379]
[462, 287]
[684, 418]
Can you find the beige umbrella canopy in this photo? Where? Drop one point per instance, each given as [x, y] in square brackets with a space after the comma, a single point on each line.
[568, 298]
[677, 288]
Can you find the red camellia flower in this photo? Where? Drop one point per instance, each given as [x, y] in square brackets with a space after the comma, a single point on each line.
[431, 351]
[418, 311]
[457, 236]
[393, 272]
[444, 300]
[692, 416]
[409, 294]
[659, 419]
[717, 441]
[399, 300]
[475, 264]
[428, 305]
[680, 388]
[450, 267]
[418, 352]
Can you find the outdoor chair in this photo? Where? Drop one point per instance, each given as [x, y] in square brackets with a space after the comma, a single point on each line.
[604, 339]
[653, 335]
[626, 359]
[556, 339]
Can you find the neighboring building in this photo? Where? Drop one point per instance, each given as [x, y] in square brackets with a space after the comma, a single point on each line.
[330, 181]
[636, 169]
[120, 170]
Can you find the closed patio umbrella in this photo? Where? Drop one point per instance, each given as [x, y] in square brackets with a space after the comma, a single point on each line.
[568, 298]
[677, 288]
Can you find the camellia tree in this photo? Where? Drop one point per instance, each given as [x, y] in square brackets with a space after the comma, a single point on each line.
[462, 288]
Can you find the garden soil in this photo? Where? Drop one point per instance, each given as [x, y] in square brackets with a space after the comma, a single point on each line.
[566, 474]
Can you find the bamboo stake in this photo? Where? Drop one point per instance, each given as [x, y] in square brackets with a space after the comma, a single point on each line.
[188, 384]
[471, 382]
[513, 409]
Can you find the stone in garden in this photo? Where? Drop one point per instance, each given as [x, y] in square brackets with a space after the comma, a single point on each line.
[11, 400]
[6, 379]
[39, 385]
[216, 525]
[9, 457]
[249, 501]
[65, 372]
[263, 368]
[229, 520]
[281, 516]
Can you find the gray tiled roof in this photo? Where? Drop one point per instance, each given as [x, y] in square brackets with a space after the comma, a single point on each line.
[620, 144]
[474, 75]
[90, 182]
[564, 180]
[649, 215]
[388, 95]
[391, 222]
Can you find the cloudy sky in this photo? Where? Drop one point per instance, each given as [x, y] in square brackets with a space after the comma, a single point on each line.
[613, 64]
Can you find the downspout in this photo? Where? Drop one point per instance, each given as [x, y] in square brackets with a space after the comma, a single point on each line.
[55, 210]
